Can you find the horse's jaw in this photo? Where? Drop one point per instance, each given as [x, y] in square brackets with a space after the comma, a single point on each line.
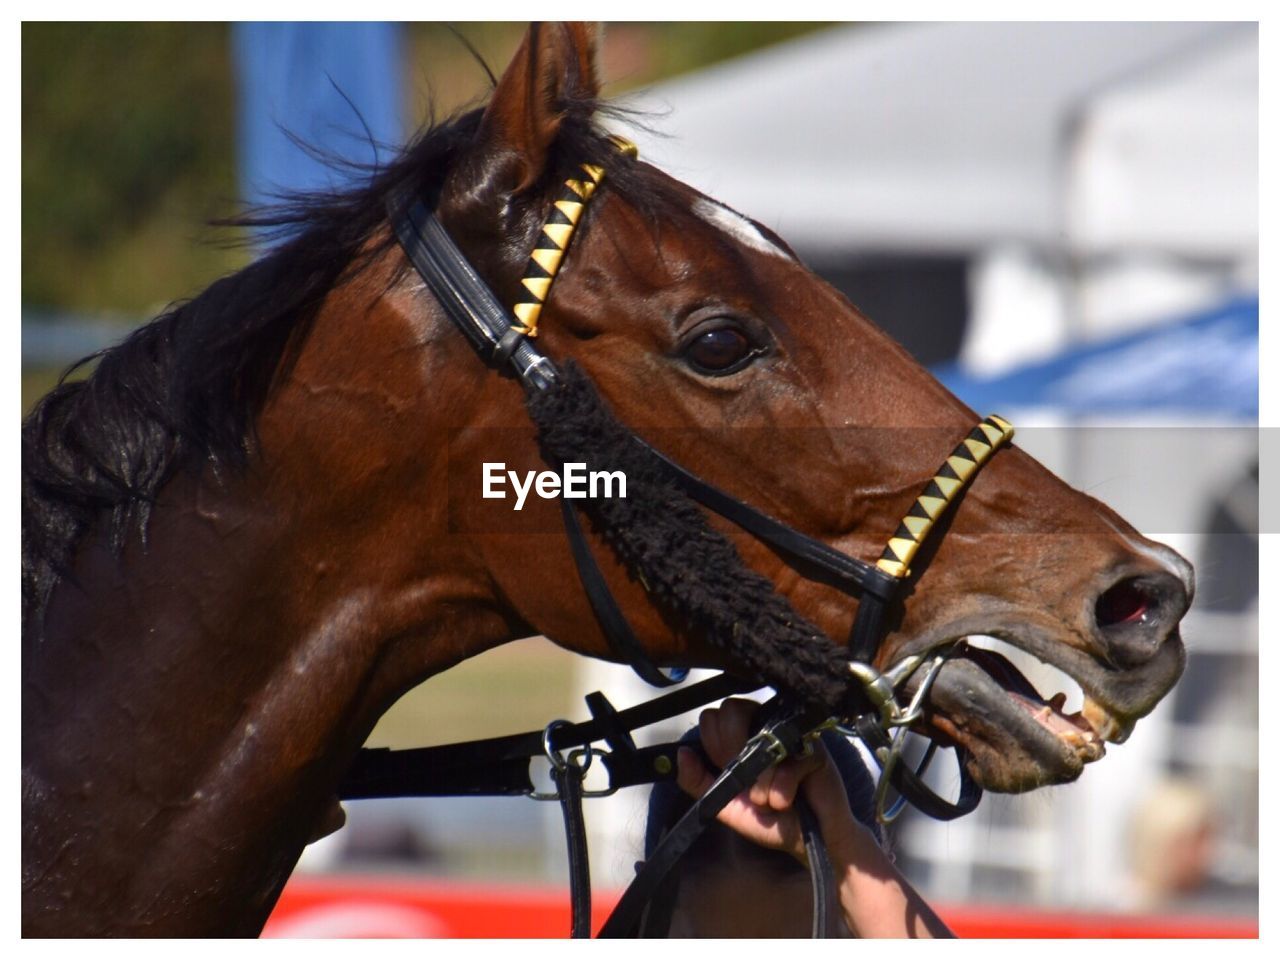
[1019, 737]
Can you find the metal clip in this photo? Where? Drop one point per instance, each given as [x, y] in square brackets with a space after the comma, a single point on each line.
[767, 736]
[878, 689]
[881, 689]
[589, 752]
[553, 756]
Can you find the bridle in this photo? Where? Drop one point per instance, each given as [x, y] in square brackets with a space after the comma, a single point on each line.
[504, 339]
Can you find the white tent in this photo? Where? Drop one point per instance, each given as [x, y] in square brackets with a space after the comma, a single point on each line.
[1170, 160]
[947, 136]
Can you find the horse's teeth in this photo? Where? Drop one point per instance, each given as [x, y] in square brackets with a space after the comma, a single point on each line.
[1106, 724]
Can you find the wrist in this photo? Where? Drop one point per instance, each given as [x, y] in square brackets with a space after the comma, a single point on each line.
[852, 844]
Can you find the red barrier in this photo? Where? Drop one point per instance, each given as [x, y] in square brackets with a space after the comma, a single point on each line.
[381, 907]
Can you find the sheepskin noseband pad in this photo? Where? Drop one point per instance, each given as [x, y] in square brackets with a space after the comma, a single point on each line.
[690, 570]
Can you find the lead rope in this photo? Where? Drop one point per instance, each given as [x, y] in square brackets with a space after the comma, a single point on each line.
[568, 780]
[569, 777]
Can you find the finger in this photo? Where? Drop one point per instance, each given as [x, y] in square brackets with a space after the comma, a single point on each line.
[782, 788]
[692, 775]
[759, 792]
[824, 789]
[789, 775]
[709, 732]
[735, 726]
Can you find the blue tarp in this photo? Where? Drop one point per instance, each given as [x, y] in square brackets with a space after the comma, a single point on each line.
[324, 83]
[1205, 364]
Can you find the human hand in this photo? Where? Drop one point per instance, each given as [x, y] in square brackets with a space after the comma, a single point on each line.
[765, 813]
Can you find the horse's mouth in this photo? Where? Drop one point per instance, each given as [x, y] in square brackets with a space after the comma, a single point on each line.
[1019, 737]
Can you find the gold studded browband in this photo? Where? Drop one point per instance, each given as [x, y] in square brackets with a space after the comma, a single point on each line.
[553, 241]
[965, 461]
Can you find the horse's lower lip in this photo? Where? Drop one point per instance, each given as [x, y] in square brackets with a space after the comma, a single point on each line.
[979, 692]
[1073, 728]
[1094, 717]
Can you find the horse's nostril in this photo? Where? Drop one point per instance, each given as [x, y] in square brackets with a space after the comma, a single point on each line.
[1136, 615]
[1126, 602]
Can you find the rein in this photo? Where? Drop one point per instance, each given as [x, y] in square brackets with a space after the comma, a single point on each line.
[869, 707]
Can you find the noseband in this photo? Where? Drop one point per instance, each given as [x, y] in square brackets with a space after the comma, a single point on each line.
[876, 710]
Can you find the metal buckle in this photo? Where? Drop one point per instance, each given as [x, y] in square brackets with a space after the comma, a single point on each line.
[543, 365]
[766, 736]
[878, 690]
[589, 751]
[580, 758]
[881, 688]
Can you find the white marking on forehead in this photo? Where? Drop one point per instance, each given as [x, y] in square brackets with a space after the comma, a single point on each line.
[737, 226]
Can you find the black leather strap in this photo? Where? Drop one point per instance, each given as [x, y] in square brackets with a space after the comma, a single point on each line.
[499, 766]
[819, 868]
[759, 755]
[622, 640]
[910, 784]
[624, 920]
[465, 297]
[655, 918]
[568, 780]
[813, 558]
[868, 627]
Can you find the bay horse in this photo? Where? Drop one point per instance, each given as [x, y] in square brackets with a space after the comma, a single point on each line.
[259, 521]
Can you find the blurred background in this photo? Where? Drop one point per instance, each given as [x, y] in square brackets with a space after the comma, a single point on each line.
[1059, 219]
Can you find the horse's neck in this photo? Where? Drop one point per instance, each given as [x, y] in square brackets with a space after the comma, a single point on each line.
[194, 703]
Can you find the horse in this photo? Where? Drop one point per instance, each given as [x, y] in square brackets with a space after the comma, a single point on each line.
[259, 520]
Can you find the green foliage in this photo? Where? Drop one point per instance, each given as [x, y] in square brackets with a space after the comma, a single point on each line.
[127, 148]
[128, 140]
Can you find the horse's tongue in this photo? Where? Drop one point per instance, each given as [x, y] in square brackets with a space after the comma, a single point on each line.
[1074, 728]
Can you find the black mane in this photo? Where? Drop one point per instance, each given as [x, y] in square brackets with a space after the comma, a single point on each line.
[185, 389]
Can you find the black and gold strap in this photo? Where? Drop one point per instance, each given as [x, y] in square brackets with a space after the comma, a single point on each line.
[554, 238]
[941, 491]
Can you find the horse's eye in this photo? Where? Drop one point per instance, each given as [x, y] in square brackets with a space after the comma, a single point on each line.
[720, 351]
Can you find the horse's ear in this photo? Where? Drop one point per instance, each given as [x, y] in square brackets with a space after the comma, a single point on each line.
[554, 67]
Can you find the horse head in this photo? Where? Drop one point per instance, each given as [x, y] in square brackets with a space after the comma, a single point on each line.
[710, 338]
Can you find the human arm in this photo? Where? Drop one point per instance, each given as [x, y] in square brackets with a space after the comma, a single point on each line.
[876, 900]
